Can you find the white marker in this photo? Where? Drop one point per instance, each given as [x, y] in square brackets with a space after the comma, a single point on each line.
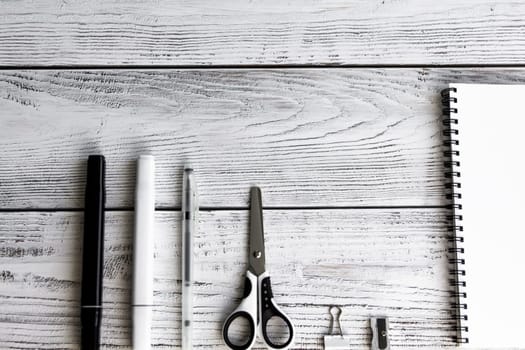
[190, 209]
[142, 293]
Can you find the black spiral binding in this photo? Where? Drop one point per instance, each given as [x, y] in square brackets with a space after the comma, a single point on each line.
[452, 188]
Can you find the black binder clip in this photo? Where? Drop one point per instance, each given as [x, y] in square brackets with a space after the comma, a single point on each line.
[380, 340]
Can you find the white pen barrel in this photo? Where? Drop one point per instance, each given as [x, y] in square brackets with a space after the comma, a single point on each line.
[189, 219]
[141, 316]
[142, 292]
[187, 317]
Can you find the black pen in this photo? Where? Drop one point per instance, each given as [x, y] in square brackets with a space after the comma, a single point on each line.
[93, 254]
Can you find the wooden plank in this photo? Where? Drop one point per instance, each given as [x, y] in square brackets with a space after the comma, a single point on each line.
[322, 137]
[233, 32]
[371, 262]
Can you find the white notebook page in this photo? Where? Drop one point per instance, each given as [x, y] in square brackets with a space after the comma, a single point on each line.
[492, 165]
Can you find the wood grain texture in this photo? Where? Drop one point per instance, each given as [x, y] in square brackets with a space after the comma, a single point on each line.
[323, 137]
[233, 32]
[371, 262]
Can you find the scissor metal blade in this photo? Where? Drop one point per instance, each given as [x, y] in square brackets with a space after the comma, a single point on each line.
[257, 256]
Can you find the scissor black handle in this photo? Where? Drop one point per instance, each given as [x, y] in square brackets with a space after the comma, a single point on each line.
[247, 310]
[227, 324]
[268, 310]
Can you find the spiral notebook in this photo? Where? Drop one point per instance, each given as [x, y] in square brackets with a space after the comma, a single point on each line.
[484, 132]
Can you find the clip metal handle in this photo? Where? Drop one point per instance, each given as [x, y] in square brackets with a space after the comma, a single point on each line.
[335, 340]
[336, 312]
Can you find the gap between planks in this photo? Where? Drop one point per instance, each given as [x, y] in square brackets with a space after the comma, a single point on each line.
[259, 66]
[125, 209]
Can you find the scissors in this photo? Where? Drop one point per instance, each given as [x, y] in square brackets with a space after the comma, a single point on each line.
[257, 306]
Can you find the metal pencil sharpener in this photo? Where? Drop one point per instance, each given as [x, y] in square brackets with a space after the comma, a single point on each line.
[380, 336]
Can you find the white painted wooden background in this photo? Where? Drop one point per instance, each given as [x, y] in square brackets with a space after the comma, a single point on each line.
[239, 32]
[349, 159]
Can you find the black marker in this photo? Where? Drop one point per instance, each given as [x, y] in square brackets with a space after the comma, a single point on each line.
[93, 254]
